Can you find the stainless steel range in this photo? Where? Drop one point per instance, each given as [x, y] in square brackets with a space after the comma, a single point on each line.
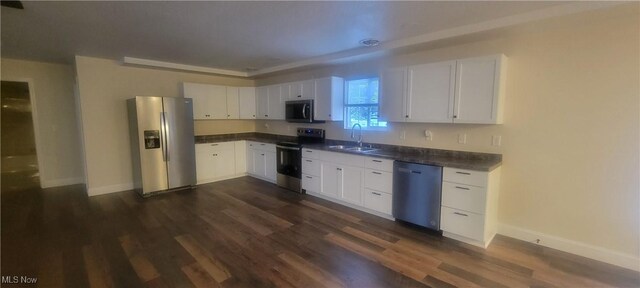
[290, 158]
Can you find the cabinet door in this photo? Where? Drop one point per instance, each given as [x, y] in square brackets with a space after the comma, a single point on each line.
[270, 166]
[247, 102]
[331, 180]
[351, 184]
[393, 84]
[201, 95]
[262, 102]
[251, 165]
[218, 102]
[259, 160]
[307, 90]
[233, 104]
[291, 91]
[477, 90]
[431, 92]
[224, 163]
[276, 105]
[329, 99]
[205, 164]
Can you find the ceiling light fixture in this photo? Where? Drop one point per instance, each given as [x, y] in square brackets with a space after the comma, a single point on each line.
[370, 42]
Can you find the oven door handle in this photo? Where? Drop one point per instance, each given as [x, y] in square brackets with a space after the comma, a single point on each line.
[289, 148]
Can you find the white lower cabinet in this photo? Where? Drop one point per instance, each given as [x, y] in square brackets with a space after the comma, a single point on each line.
[261, 160]
[342, 182]
[215, 161]
[469, 205]
[343, 178]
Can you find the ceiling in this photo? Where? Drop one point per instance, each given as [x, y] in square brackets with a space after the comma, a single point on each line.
[233, 35]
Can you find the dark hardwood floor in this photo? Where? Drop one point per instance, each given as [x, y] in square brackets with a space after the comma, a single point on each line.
[249, 233]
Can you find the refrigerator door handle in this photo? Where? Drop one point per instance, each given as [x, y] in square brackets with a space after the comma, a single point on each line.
[164, 136]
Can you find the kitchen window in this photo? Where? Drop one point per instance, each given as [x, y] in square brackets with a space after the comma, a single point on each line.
[361, 104]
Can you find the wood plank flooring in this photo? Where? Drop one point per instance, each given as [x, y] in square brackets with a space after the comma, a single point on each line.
[249, 233]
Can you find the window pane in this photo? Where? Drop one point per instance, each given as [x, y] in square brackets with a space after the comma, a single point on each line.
[359, 114]
[363, 91]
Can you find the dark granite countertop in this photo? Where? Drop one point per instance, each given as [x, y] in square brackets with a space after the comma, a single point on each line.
[445, 158]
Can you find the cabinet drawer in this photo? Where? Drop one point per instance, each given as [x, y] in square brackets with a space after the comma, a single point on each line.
[311, 166]
[312, 154]
[343, 159]
[464, 197]
[311, 183]
[378, 180]
[462, 176]
[379, 164]
[267, 147]
[463, 223]
[377, 201]
[215, 146]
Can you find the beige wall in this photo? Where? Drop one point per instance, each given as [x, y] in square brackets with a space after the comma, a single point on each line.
[58, 138]
[104, 85]
[570, 141]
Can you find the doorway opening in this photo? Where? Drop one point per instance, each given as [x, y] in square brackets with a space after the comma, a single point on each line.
[19, 158]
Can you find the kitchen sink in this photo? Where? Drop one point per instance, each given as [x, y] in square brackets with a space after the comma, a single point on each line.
[361, 149]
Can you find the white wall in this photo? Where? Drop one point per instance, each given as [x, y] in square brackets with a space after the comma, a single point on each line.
[571, 138]
[104, 85]
[57, 136]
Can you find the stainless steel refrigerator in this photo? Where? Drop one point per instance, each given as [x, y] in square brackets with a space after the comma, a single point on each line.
[162, 144]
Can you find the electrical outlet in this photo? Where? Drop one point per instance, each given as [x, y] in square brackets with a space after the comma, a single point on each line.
[496, 140]
[462, 138]
[266, 125]
[428, 135]
[403, 135]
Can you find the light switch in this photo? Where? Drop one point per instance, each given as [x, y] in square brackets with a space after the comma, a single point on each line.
[496, 140]
[462, 138]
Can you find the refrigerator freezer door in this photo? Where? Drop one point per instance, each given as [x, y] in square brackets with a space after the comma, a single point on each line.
[181, 159]
[152, 149]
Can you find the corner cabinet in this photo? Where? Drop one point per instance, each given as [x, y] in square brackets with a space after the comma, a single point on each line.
[460, 91]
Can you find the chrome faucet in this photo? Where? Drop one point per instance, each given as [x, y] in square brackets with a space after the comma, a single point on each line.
[353, 134]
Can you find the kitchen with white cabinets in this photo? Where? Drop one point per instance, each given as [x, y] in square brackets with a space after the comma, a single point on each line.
[525, 112]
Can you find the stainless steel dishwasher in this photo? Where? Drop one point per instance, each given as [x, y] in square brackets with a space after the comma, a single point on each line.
[417, 193]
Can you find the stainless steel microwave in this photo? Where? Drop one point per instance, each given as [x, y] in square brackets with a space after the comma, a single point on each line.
[300, 111]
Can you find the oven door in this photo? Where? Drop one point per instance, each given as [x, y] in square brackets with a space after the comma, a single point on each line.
[289, 161]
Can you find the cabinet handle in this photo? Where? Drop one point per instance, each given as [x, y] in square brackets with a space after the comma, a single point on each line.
[262, 144]
[228, 115]
[329, 115]
[461, 214]
[377, 173]
[308, 151]
[376, 193]
[406, 116]
[214, 144]
[463, 188]
[455, 116]
[339, 169]
[309, 177]
[254, 116]
[377, 161]
[308, 160]
[261, 154]
[463, 173]
[299, 96]
[215, 154]
[265, 115]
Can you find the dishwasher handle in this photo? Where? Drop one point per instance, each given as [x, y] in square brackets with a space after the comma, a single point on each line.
[405, 170]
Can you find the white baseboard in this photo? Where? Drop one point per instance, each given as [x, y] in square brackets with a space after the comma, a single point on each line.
[61, 182]
[94, 191]
[582, 249]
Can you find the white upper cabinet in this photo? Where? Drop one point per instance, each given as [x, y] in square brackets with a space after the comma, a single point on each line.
[213, 101]
[247, 102]
[431, 92]
[201, 95]
[329, 99]
[393, 84]
[479, 90]
[460, 91]
[275, 103]
[262, 102]
[307, 90]
[233, 103]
